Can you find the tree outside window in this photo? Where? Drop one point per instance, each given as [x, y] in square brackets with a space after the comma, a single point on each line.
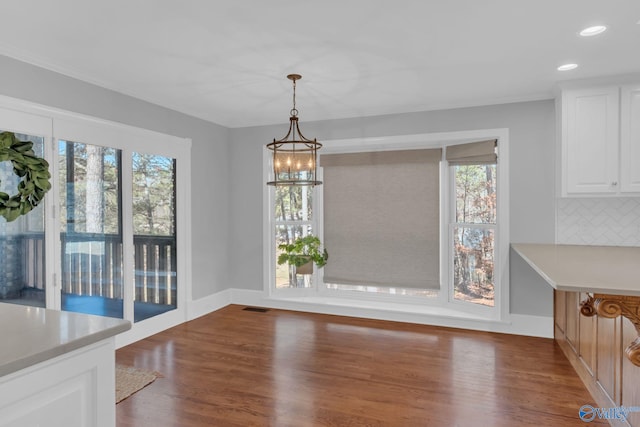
[474, 233]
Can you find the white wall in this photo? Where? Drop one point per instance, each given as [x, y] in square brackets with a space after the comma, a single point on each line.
[532, 170]
[210, 154]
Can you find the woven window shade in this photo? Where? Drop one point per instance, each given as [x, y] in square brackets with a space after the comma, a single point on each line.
[474, 153]
[381, 218]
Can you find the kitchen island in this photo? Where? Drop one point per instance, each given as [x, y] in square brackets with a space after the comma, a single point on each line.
[579, 268]
[596, 315]
[610, 275]
[57, 368]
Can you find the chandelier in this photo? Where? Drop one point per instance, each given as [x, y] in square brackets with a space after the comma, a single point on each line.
[294, 156]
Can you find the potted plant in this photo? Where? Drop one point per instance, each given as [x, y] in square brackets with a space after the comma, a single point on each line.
[303, 253]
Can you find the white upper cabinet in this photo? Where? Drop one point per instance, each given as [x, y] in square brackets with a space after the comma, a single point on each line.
[590, 140]
[630, 138]
[600, 141]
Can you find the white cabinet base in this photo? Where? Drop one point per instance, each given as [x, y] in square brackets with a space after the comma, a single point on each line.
[76, 389]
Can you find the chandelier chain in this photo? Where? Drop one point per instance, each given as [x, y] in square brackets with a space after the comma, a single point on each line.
[294, 111]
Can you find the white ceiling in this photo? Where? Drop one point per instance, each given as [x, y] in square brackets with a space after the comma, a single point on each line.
[226, 60]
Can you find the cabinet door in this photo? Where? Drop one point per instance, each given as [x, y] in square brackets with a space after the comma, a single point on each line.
[560, 309]
[587, 338]
[590, 140]
[630, 138]
[608, 357]
[572, 331]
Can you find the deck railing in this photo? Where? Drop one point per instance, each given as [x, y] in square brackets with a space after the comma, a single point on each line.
[155, 269]
[92, 265]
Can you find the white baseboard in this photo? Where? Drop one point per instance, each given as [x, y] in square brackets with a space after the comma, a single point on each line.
[533, 326]
[208, 304]
[518, 324]
[150, 327]
[248, 297]
[194, 309]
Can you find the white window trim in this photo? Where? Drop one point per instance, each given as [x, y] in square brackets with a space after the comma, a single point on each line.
[444, 304]
[87, 129]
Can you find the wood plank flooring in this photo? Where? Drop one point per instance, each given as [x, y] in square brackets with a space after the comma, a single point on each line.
[281, 368]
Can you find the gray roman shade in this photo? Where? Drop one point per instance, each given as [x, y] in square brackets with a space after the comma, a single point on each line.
[474, 153]
[381, 218]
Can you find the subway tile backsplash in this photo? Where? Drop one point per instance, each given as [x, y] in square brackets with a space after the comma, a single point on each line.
[598, 221]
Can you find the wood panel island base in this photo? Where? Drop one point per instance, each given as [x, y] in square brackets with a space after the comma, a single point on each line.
[612, 306]
[596, 312]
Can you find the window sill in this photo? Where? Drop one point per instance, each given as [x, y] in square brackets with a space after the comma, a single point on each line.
[422, 309]
[384, 310]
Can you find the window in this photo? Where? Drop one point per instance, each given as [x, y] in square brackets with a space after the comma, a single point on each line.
[154, 235]
[473, 233]
[473, 224]
[90, 194]
[382, 219]
[402, 228]
[294, 218]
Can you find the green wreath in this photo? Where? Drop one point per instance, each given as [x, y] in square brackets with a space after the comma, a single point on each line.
[34, 172]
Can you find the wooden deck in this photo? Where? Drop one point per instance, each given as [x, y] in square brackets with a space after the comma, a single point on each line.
[281, 368]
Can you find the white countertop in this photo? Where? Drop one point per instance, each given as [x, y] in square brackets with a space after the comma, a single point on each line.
[29, 335]
[613, 270]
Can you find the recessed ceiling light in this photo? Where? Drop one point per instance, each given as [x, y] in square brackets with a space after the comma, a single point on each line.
[593, 31]
[567, 67]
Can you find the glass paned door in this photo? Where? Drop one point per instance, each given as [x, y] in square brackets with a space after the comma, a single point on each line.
[91, 231]
[22, 243]
[154, 235]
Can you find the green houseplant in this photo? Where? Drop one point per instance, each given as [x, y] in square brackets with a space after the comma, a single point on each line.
[302, 253]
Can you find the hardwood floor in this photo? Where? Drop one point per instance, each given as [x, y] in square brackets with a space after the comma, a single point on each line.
[280, 368]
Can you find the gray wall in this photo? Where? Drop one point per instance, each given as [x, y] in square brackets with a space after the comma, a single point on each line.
[532, 184]
[227, 214]
[210, 213]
